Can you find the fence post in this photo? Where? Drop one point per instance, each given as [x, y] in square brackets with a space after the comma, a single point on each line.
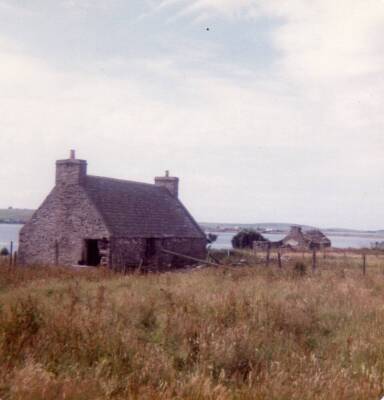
[314, 260]
[364, 263]
[56, 252]
[10, 254]
[268, 255]
[15, 259]
[279, 259]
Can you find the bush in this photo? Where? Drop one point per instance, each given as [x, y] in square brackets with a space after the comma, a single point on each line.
[4, 252]
[245, 238]
[211, 237]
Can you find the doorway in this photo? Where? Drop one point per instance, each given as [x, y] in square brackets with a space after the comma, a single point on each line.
[150, 247]
[92, 252]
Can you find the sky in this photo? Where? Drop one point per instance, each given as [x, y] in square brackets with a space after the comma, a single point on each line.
[267, 110]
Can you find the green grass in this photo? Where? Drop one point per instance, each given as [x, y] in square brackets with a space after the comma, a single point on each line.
[217, 333]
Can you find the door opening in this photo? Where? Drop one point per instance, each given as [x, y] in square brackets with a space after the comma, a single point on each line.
[150, 247]
[92, 253]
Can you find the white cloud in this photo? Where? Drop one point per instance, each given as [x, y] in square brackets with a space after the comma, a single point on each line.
[205, 8]
[327, 39]
[303, 134]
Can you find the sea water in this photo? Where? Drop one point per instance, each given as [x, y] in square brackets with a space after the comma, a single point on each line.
[10, 233]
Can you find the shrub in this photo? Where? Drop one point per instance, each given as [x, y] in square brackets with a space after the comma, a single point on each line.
[211, 237]
[4, 252]
[245, 238]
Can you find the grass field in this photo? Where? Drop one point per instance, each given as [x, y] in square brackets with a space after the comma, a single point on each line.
[216, 333]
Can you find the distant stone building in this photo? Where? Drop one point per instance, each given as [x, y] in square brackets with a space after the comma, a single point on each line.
[90, 220]
[312, 239]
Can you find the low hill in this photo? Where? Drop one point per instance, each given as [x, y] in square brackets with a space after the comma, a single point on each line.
[15, 215]
[278, 227]
[269, 226]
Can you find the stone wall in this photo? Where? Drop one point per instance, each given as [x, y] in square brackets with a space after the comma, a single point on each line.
[169, 182]
[71, 172]
[195, 247]
[130, 253]
[66, 217]
[127, 253]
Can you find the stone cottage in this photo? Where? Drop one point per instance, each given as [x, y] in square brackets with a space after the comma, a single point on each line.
[91, 220]
[312, 239]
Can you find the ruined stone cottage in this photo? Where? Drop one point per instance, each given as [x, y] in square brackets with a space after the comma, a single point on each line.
[91, 220]
[312, 239]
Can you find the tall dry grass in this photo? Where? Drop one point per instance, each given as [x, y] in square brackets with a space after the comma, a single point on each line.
[225, 333]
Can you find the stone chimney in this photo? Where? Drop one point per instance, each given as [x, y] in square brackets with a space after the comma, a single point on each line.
[71, 171]
[169, 182]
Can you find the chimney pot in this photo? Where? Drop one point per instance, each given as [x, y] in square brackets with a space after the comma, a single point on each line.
[72, 155]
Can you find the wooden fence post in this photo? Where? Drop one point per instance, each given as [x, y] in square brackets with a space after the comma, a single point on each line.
[364, 263]
[10, 254]
[56, 252]
[279, 259]
[314, 261]
[15, 258]
[268, 255]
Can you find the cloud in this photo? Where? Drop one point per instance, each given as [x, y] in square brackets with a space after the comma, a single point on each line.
[206, 8]
[127, 129]
[298, 138]
[324, 39]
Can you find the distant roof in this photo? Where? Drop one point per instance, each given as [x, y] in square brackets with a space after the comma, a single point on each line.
[312, 236]
[317, 236]
[134, 209]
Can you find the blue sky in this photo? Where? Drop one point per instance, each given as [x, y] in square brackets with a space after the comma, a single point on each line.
[274, 114]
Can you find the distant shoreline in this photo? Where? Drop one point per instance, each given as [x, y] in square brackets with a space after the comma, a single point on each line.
[15, 216]
[19, 216]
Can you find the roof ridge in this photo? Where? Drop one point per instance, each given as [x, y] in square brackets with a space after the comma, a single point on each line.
[123, 180]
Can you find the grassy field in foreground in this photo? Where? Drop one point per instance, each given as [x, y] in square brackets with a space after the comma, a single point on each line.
[225, 333]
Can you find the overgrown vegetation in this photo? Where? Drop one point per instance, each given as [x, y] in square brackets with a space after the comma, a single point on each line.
[216, 333]
[245, 238]
[4, 251]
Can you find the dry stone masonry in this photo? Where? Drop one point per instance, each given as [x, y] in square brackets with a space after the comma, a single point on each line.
[89, 220]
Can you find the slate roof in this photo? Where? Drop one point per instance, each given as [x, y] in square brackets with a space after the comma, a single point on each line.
[134, 209]
[307, 238]
[317, 236]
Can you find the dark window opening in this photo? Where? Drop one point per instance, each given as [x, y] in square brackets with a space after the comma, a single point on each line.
[150, 247]
[92, 253]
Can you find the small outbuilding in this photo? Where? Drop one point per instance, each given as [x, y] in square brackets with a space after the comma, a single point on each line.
[312, 239]
[91, 220]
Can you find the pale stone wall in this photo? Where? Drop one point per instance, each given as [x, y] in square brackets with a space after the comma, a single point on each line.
[169, 182]
[67, 217]
[57, 231]
[71, 172]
